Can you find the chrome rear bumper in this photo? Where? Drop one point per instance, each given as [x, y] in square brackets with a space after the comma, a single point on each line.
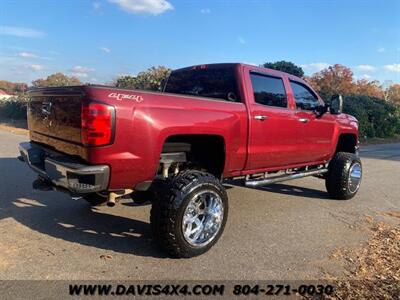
[62, 171]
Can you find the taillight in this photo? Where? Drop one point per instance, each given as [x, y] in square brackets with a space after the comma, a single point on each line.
[97, 124]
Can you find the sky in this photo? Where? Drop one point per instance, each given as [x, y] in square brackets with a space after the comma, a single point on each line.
[99, 40]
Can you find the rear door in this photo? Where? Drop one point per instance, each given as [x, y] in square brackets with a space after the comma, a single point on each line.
[316, 132]
[273, 125]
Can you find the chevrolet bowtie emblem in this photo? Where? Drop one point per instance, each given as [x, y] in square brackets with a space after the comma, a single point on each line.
[46, 108]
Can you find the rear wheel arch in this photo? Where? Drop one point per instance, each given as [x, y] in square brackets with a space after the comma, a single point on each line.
[206, 152]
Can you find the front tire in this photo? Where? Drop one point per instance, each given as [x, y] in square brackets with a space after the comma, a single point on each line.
[191, 215]
[344, 176]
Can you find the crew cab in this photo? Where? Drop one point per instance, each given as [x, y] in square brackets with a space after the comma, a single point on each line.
[174, 148]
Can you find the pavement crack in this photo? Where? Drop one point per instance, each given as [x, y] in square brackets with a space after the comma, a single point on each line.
[48, 251]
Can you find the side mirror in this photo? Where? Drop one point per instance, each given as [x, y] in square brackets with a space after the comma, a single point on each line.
[336, 106]
[320, 110]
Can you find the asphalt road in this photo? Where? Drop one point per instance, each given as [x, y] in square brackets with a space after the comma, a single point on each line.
[285, 231]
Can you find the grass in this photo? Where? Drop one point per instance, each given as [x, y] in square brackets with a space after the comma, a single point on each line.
[16, 126]
[386, 140]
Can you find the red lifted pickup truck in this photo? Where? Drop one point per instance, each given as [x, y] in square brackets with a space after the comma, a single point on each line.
[211, 122]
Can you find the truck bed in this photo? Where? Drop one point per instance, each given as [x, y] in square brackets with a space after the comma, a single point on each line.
[143, 122]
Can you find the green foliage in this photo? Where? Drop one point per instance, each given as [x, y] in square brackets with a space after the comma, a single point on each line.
[152, 79]
[285, 66]
[14, 108]
[376, 117]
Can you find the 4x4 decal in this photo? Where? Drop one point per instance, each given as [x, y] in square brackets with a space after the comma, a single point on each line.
[121, 97]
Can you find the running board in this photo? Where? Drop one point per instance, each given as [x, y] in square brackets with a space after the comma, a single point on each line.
[266, 181]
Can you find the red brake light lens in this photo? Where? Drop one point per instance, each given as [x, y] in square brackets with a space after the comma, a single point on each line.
[97, 124]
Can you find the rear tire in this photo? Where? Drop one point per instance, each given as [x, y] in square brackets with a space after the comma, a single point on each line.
[190, 215]
[344, 176]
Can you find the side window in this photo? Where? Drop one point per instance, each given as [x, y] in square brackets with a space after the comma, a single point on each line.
[304, 97]
[268, 90]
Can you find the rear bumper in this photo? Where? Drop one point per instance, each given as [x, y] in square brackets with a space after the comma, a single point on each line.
[64, 172]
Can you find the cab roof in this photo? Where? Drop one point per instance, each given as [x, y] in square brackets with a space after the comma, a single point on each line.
[249, 67]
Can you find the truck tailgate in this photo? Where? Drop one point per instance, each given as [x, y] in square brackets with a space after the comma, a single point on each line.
[55, 114]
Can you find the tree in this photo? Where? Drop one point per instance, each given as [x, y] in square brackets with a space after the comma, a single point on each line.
[393, 94]
[336, 79]
[376, 117]
[152, 79]
[13, 87]
[57, 79]
[285, 66]
[369, 88]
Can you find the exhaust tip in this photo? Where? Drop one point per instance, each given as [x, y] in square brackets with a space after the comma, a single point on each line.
[111, 203]
[113, 197]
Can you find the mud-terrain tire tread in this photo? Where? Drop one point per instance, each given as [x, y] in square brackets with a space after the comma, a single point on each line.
[336, 181]
[168, 205]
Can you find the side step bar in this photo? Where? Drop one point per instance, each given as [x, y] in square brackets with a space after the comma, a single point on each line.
[266, 181]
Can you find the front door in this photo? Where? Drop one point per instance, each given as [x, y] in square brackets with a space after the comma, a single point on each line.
[316, 132]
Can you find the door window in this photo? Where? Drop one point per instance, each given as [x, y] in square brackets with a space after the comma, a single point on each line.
[304, 96]
[268, 90]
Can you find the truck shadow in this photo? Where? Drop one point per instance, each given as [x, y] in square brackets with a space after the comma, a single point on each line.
[295, 191]
[286, 189]
[58, 216]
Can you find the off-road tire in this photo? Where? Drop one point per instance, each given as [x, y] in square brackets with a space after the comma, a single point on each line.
[337, 178]
[168, 209]
[95, 199]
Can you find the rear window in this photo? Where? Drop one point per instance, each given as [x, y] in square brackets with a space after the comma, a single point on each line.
[215, 82]
[268, 90]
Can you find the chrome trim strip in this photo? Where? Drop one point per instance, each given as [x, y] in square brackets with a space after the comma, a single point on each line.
[266, 181]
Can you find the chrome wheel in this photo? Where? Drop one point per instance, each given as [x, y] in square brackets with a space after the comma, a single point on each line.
[355, 174]
[202, 218]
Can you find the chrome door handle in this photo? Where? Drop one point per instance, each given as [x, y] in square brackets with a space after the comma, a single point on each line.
[260, 118]
[303, 120]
